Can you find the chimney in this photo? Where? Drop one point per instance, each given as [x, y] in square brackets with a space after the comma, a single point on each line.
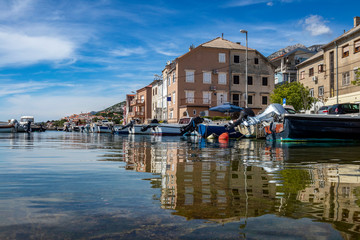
[356, 21]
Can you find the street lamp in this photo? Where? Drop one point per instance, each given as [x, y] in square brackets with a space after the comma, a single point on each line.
[246, 68]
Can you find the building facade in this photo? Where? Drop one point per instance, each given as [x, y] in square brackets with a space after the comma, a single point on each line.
[285, 65]
[214, 73]
[141, 105]
[331, 72]
[260, 79]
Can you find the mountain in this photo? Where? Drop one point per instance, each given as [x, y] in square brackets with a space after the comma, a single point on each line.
[314, 48]
[115, 108]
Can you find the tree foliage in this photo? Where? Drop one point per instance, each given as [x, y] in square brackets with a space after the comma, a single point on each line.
[296, 95]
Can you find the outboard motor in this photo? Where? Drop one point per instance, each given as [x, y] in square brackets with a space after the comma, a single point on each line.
[192, 126]
[130, 124]
[152, 125]
[28, 126]
[244, 114]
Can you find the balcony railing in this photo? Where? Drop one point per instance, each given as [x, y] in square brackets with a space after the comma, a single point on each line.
[137, 102]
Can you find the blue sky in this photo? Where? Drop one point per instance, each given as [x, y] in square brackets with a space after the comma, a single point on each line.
[63, 57]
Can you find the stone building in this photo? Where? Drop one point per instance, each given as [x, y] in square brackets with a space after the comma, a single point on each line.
[330, 72]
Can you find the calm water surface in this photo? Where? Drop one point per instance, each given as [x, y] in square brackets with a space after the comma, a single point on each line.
[57, 185]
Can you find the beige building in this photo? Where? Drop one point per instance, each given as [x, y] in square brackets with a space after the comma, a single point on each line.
[329, 73]
[214, 73]
[260, 78]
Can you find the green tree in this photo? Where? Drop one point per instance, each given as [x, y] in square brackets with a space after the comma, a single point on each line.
[296, 95]
[357, 79]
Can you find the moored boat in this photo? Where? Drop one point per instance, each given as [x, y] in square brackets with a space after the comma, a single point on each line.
[207, 129]
[278, 125]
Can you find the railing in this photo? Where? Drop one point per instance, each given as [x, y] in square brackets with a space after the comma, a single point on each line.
[137, 102]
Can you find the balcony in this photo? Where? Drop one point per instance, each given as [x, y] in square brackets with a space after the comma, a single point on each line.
[137, 102]
[136, 114]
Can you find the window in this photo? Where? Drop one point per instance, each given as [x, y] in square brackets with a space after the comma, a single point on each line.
[206, 77]
[311, 91]
[173, 96]
[168, 80]
[189, 75]
[194, 112]
[171, 115]
[235, 99]
[222, 78]
[321, 91]
[311, 72]
[250, 80]
[236, 59]
[206, 97]
[236, 79]
[346, 78]
[345, 51]
[189, 96]
[357, 46]
[264, 81]
[302, 75]
[174, 77]
[221, 57]
[355, 74]
[320, 68]
[264, 100]
[250, 99]
[256, 60]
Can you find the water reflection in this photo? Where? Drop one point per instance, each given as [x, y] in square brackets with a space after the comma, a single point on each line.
[84, 185]
[249, 179]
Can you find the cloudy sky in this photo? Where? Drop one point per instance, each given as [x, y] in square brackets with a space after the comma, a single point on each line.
[59, 57]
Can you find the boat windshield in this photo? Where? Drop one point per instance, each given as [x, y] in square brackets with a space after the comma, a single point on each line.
[26, 120]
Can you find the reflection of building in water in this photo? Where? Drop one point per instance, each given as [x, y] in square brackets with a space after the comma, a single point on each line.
[137, 156]
[335, 193]
[214, 190]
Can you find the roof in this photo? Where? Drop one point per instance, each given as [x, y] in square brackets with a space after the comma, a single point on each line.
[225, 44]
[346, 34]
[317, 55]
[220, 43]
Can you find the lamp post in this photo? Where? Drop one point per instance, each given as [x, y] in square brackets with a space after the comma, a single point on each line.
[246, 68]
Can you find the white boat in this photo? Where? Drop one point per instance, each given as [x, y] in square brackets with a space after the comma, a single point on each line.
[102, 127]
[138, 129]
[172, 129]
[8, 128]
[25, 123]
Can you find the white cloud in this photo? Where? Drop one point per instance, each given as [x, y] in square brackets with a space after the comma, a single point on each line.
[26, 87]
[21, 49]
[124, 52]
[316, 25]
[270, 4]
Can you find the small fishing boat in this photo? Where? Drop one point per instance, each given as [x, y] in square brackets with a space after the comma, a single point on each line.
[279, 125]
[207, 129]
[7, 128]
[172, 129]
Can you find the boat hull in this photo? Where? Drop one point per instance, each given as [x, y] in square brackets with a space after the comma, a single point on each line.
[136, 129]
[7, 129]
[314, 128]
[206, 130]
[169, 129]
